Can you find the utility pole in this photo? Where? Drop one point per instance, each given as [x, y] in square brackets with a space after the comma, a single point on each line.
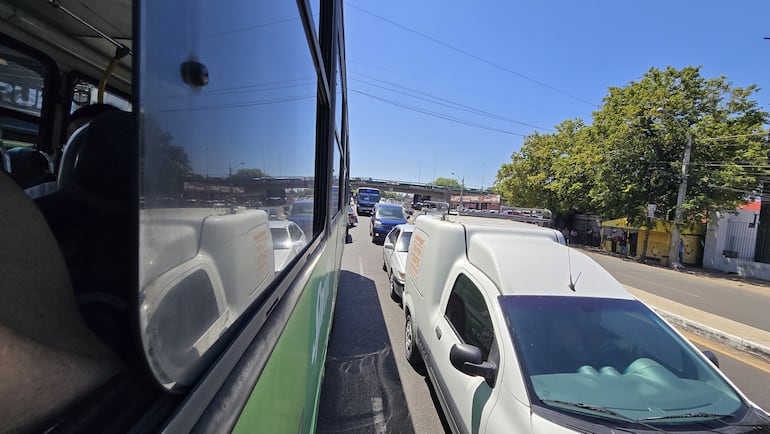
[673, 251]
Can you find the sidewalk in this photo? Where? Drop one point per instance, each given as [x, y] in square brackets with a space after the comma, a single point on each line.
[725, 331]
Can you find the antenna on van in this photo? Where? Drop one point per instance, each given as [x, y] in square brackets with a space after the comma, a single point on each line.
[569, 262]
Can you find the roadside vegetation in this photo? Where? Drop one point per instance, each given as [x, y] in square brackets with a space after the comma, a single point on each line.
[631, 154]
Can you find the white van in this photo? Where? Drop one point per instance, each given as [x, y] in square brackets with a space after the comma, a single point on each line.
[519, 333]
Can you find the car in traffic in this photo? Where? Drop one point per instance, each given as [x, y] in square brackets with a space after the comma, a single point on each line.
[288, 240]
[384, 217]
[515, 343]
[301, 213]
[394, 251]
[272, 212]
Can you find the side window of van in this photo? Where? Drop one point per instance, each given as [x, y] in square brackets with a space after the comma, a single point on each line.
[467, 312]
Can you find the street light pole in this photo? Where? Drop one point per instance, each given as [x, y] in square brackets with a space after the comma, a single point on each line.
[673, 251]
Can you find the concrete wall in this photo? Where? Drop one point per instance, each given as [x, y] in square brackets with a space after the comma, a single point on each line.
[716, 254]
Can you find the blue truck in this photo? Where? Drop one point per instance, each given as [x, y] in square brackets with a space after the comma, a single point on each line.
[366, 199]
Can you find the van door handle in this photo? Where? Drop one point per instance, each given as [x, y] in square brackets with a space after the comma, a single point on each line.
[438, 332]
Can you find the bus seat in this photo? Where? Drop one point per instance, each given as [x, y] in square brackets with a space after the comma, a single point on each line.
[91, 220]
[50, 358]
[69, 155]
[31, 169]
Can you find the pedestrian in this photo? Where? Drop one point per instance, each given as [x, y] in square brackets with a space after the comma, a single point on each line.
[622, 242]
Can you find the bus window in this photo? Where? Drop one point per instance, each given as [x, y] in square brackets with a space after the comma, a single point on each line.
[21, 82]
[85, 92]
[212, 153]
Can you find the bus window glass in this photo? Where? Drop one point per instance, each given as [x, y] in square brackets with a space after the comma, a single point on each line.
[315, 8]
[334, 198]
[216, 147]
[338, 104]
[86, 93]
[21, 82]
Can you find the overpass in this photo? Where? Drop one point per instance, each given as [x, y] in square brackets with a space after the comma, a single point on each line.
[273, 190]
[436, 192]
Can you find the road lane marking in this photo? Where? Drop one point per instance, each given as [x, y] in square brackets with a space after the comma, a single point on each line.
[379, 416]
[748, 360]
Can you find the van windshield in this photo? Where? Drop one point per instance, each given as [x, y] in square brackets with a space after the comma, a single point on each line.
[614, 354]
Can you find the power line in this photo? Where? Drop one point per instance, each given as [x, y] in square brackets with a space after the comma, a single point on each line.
[437, 115]
[711, 139]
[473, 56]
[445, 102]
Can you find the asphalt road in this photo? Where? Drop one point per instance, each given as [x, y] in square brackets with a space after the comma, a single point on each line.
[728, 296]
[370, 388]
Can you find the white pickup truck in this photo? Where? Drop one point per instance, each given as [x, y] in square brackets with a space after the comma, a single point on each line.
[520, 333]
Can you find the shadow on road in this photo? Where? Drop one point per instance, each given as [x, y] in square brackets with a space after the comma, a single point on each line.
[361, 390]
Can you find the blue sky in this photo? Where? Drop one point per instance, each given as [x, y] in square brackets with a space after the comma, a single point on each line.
[504, 69]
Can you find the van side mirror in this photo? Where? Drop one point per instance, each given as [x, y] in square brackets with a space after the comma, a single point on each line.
[712, 357]
[388, 245]
[467, 359]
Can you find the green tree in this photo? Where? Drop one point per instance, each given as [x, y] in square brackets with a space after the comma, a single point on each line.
[632, 153]
[249, 174]
[447, 182]
[644, 147]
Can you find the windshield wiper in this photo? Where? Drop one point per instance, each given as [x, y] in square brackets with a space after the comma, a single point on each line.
[603, 410]
[688, 415]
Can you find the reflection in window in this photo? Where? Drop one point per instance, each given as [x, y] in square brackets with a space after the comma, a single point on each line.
[211, 155]
[336, 189]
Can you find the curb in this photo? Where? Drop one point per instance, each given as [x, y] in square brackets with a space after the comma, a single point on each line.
[726, 339]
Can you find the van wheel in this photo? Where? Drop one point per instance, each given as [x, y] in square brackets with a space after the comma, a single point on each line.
[410, 346]
[384, 266]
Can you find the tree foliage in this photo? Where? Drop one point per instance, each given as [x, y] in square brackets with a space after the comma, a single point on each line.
[632, 153]
[249, 173]
[447, 182]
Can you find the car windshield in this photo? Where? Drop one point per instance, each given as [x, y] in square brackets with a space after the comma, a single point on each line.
[402, 245]
[390, 213]
[302, 208]
[614, 354]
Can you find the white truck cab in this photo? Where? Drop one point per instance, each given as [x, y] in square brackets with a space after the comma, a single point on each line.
[520, 333]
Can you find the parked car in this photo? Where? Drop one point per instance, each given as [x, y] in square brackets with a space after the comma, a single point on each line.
[301, 213]
[384, 217]
[516, 343]
[288, 241]
[394, 250]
